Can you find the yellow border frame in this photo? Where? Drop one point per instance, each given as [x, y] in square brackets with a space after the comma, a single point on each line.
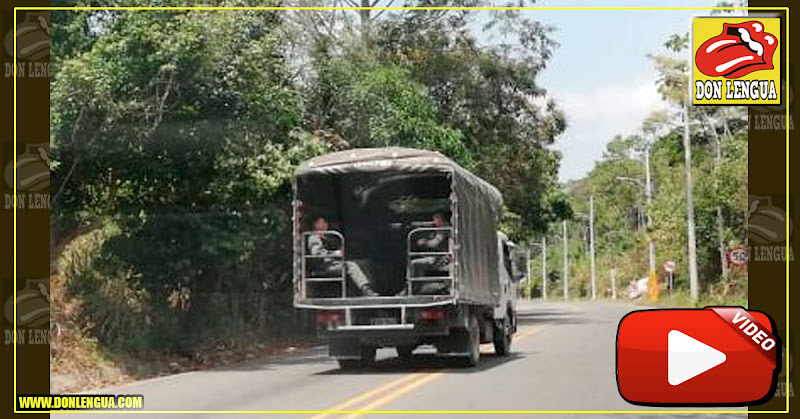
[786, 9]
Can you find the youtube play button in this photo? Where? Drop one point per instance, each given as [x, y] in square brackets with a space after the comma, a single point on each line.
[718, 356]
[688, 357]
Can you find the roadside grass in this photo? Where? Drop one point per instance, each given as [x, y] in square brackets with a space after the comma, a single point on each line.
[728, 291]
[103, 325]
[682, 299]
[76, 359]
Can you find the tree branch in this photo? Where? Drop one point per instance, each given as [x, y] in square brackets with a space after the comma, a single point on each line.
[76, 158]
[161, 104]
[380, 12]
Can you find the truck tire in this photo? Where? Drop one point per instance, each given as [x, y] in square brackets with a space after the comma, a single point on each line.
[405, 351]
[368, 355]
[502, 336]
[349, 364]
[474, 345]
[367, 359]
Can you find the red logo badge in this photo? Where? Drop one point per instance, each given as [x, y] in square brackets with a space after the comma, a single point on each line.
[718, 356]
[740, 49]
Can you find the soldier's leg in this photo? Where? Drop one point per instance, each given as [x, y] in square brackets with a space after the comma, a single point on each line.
[333, 269]
[421, 266]
[359, 278]
[431, 266]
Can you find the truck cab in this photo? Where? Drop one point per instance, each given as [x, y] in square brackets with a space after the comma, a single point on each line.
[513, 272]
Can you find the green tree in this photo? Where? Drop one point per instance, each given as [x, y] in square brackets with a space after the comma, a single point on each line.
[174, 134]
[179, 131]
[718, 139]
[480, 104]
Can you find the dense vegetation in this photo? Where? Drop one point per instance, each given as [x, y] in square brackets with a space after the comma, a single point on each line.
[175, 134]
[718, 138]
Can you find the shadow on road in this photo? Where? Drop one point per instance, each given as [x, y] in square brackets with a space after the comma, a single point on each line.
[308, 356]
[552, 317]
[419, 362]
[428, 363]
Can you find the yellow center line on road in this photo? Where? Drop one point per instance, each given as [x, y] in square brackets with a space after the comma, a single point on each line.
[399, 387]
[394, 395]
[367, 394]
[530, 331]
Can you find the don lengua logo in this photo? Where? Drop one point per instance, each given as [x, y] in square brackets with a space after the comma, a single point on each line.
[33, 45]
[33, 178]
[740, 49]
[32, 316]
[736, 61]
[766, 230]
[766, 223]
[33, 168]
[33, 37]
[33, 304]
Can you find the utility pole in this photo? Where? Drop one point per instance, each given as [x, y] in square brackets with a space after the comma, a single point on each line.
[648, 196]
[591, 245]
[366, 23]
[613, 283]
[566, 261]
[544, 268]
[651, 245]
[723, 260]
[648, 220]
[692, 242]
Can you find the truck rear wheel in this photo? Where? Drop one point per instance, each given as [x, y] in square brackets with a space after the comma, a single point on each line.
[502, 336]
[405, 351]
[368, 355]
[474, 345]
[348, 364]
[367, 359]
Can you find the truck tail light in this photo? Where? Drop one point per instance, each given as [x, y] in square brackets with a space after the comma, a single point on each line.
[431, 314]
[330, 317]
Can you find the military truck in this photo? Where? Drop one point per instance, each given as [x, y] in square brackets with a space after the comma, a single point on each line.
[365, 222]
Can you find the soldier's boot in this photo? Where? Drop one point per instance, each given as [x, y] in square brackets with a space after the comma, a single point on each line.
[367, 291]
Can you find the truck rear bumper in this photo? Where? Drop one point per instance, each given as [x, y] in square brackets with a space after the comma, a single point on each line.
[346, 343]
[353, 330]
[387, 332]
[375, 302]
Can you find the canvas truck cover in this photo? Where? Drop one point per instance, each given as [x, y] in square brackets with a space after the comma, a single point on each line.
[477, 208]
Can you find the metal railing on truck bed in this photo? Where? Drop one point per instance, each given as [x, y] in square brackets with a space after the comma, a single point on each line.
[325, 271]
[429, 271]
[430, 268]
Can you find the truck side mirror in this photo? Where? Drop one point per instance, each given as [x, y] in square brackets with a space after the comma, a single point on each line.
[519, 265]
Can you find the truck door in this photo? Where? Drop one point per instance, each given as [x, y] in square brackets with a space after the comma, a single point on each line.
[506, 286]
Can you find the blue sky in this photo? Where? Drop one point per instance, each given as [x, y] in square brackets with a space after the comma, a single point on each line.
[600, 74]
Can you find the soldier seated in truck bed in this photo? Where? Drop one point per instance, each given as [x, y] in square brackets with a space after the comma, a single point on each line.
[321, 244]
[436, 240]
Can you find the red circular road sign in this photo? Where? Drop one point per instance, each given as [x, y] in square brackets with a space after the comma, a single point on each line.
[737, 256]
[670, 266]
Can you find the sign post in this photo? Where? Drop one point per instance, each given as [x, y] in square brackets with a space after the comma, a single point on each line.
[670, 267]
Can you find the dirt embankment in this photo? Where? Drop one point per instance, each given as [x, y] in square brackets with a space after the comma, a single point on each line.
[78, 362]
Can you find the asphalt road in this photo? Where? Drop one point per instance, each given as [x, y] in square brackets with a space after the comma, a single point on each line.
[563, 359]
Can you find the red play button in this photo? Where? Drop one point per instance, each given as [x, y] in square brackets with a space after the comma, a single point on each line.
[718, 356]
